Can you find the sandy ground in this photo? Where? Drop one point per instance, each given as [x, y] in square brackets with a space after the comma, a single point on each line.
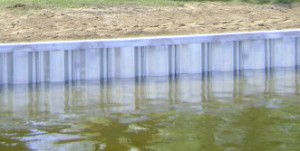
[20, 24]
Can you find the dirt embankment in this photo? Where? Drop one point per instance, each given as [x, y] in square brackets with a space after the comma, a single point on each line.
[135, 21]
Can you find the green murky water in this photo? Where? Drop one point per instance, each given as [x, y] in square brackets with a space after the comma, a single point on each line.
[254, 112]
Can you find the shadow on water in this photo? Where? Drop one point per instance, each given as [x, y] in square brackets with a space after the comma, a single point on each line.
[189, 112]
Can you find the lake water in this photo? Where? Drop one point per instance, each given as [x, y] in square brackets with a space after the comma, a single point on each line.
[220, 112]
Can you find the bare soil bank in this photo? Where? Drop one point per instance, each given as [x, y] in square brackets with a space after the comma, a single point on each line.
[17, 25]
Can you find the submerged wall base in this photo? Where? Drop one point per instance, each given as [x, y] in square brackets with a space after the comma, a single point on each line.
[127, 58]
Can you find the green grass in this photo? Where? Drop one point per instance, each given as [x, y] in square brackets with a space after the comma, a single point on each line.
[252, 1]
[84, 3]
[99, 3]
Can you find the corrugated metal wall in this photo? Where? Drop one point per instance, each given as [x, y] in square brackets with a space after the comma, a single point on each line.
[128, 58]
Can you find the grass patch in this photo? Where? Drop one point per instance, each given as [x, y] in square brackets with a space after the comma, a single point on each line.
[36, 4]
[249, 1]
[83, 3]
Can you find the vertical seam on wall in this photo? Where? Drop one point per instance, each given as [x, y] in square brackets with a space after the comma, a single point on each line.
[176, 61]
[104, 61]
[271, 54]
[4, 67]
[75, 64]
[33, 65]
[101, 66]
[116, 65]
[296, 52]
[236, 57]
[45, 58]
[10, 68]
[1, 68]
[108, 65]
[144, 61]
[82, 64]
[140, 61]
[37, 66]
[42, 67]
[136, 62]
[268, 63]
[209, 61]
[203, 59]
[170, 59]
[29, 63]
[66, 65]
[72, 65]
[47, 64]
[296, 64]
[267, 55]
[241, 59]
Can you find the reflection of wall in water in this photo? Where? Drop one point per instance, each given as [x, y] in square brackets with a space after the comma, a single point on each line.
[129, 95]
